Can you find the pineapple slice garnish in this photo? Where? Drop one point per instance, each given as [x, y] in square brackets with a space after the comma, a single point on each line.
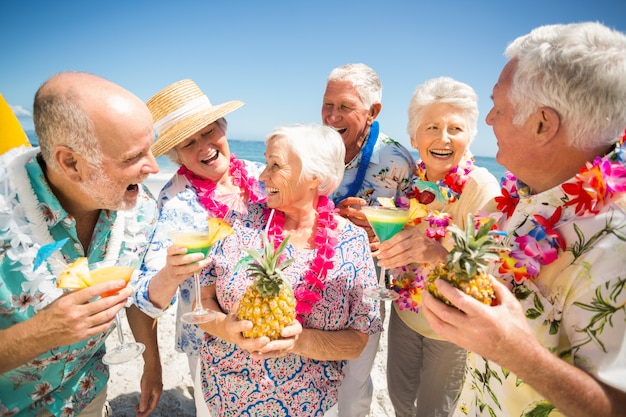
[386, 202]
[218, 229]
[75, 276]
[417, 210]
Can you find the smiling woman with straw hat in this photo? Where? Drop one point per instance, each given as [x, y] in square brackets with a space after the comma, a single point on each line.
[211, 182]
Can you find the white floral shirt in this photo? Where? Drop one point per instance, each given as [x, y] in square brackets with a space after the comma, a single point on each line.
[576, 308]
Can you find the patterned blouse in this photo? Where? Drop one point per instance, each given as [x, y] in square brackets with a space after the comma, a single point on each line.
[575, 307]
[236, 385]
[179, 208]
[65, 379]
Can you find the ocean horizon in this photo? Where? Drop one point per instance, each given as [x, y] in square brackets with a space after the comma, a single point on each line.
[253, 150]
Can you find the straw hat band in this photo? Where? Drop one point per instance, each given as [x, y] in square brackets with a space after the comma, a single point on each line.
[180, 111]
[194, 106]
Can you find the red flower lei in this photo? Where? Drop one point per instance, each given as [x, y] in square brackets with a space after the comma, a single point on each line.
[309, 292]
[206, 188]
[539, 243]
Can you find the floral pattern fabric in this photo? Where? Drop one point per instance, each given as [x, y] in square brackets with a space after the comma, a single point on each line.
[388, 174]
[574, 301]
[236, 385]
[179, 209]
[65, 379]
[478, 196]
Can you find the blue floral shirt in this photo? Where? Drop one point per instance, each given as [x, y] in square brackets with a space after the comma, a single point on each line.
[388, 173]
[65, 379]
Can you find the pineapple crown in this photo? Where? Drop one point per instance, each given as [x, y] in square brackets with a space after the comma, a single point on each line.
[266, 267]
[473, 248]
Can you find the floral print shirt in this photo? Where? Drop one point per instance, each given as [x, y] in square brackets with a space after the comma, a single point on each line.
[388, 174]
[65, 379]
[236, 385]
[575, 307]
[179, 209]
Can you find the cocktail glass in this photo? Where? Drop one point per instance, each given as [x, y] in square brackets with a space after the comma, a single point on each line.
[386, 222]
[195, 241]
[121, 268]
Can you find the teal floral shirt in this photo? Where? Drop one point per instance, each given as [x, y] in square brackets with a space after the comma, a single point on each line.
[574, 297]
[388, 173]
[65, 379]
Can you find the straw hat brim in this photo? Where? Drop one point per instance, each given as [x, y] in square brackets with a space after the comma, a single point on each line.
[190, 125]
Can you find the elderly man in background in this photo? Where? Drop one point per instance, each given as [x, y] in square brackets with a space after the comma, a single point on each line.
[555, 342]
[78, 195]
[376, 166]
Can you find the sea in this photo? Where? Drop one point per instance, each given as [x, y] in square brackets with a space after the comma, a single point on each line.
[253, 151]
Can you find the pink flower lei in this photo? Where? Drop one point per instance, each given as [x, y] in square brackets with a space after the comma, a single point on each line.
[595, 186]
[410, 282]
[206, 188]
[308, 292]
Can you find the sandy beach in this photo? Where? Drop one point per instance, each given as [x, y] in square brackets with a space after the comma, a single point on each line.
[177, 398]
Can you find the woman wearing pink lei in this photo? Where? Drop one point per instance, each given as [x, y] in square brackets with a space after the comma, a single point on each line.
[210, 182]
[424, 371]
[297, 375]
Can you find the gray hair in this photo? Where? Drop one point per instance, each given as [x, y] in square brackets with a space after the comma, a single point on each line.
[60, 120]
[444, 90]
[363, 78]
[579, 70]
[320, 149]
[172, 155]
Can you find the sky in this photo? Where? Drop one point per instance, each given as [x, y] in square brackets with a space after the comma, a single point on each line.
[275, 55]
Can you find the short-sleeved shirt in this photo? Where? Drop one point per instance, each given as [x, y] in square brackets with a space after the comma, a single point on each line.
[179, 208]
[574, 307]
[67, 378]
[388, 173]
[234, 384]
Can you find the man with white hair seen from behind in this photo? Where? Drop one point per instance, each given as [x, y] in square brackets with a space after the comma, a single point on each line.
[556, 340]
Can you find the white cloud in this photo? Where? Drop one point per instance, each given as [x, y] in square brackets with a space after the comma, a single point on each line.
[20, 111]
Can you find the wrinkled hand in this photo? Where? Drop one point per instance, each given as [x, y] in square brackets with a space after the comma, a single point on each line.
[151, 390]
[179, 266]
[74, 317]
[409, 246]
[281, 347]
[350, 208]
[234, 330]
[496, 333]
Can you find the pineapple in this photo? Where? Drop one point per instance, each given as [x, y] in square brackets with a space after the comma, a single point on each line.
[467, 262]
[268, 302]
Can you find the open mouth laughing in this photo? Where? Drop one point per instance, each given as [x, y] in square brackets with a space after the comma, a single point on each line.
[441, 153]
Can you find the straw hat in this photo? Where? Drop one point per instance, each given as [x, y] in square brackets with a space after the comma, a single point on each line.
[181, 110]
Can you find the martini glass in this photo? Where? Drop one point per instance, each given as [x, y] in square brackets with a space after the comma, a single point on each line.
[386, 222]
[195, 241]
[121, 268]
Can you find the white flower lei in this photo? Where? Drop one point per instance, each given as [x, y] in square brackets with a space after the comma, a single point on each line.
[24, 231]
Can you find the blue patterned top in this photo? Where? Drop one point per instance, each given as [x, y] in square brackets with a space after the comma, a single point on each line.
[388, 173]
[179, 208]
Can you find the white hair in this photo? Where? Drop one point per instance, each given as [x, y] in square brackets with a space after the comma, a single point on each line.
[363, 78]
[578, 70]
[321, 152]
[444, 90]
